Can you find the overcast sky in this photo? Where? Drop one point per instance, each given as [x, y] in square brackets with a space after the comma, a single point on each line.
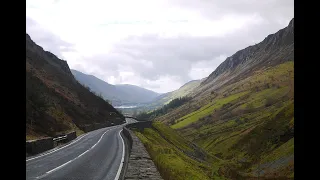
[158, 45]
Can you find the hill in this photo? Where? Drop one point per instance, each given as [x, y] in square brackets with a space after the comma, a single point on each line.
[163, 99]
[55, 101]
[118, 94]
[242, 114]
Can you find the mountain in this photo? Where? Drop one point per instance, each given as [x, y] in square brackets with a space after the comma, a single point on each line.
[273, 50]
[118, 94]
[55, 101]
[242, 114]
[184, 90]
[137, 94]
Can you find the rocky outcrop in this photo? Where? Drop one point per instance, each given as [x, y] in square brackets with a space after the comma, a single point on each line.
[274, 49]
[140, 165]
[36, 51]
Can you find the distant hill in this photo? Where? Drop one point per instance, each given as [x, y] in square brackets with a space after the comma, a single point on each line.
[55, 101]
[186, 89]
[121, 94]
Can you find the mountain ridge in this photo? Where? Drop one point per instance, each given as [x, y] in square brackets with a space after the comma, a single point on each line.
[119, 94]
[246, 56]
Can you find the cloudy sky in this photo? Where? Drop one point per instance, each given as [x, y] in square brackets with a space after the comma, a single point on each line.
[158, 44]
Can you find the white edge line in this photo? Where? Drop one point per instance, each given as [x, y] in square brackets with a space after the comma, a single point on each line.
[52, 170]
[122, 159]
[54, 150]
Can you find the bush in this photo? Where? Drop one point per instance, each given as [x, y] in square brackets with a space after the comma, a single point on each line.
[269, 102]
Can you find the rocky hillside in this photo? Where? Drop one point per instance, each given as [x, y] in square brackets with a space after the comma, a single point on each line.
[242, 115]
[120, 94]
[275, 49]
[55, 101]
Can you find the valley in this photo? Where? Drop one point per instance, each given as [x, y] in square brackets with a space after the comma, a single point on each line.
[161, 90]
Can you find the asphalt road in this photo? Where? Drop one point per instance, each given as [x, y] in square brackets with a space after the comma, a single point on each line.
[97, 155]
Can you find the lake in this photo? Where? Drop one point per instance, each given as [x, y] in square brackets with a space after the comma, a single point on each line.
[124, 107]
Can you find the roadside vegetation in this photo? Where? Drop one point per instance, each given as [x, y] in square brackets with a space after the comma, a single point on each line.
[169, 152]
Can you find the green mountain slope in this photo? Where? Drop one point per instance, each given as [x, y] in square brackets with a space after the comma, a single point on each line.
[242, 115]
[158, 102]
[55, 101]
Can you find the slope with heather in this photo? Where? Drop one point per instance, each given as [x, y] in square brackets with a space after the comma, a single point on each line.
[55, 101]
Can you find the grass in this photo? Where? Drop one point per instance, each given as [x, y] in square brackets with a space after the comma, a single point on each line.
[206, 110]
[259, 99]
[173, 137]
[284, 150]
[172, 163]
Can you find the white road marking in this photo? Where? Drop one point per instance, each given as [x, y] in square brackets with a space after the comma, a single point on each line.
[122, 159]
[74, 158]
[54, 150]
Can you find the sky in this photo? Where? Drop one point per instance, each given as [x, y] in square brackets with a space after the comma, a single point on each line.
[158, 45]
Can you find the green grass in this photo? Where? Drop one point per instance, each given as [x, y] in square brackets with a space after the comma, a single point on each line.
[259, 99]
[170, 161]
[284, 150]
[173, 137]
[206, 110]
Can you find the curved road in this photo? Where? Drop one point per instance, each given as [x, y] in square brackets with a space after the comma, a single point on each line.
[97, 155]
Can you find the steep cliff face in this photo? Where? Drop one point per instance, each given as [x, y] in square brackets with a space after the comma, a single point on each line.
[273, 50]
[55, 101]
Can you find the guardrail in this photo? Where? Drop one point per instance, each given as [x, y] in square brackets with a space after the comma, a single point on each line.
[61, 138]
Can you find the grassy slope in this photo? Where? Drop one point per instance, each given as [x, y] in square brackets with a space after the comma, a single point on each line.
[171, 162]
[205, 111]
[181, 92]
[245, 126]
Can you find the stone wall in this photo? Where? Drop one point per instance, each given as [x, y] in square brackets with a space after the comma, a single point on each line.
[40, 145]
[95, 126]
[37, 146]
[140, 165]
[71, 136]
[140, 125]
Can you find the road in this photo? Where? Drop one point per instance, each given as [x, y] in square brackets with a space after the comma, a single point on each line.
[97, 155]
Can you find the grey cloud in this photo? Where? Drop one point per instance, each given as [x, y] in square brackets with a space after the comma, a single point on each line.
[176, 56]
[48, 40]
[151, 56]
[270, 10]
